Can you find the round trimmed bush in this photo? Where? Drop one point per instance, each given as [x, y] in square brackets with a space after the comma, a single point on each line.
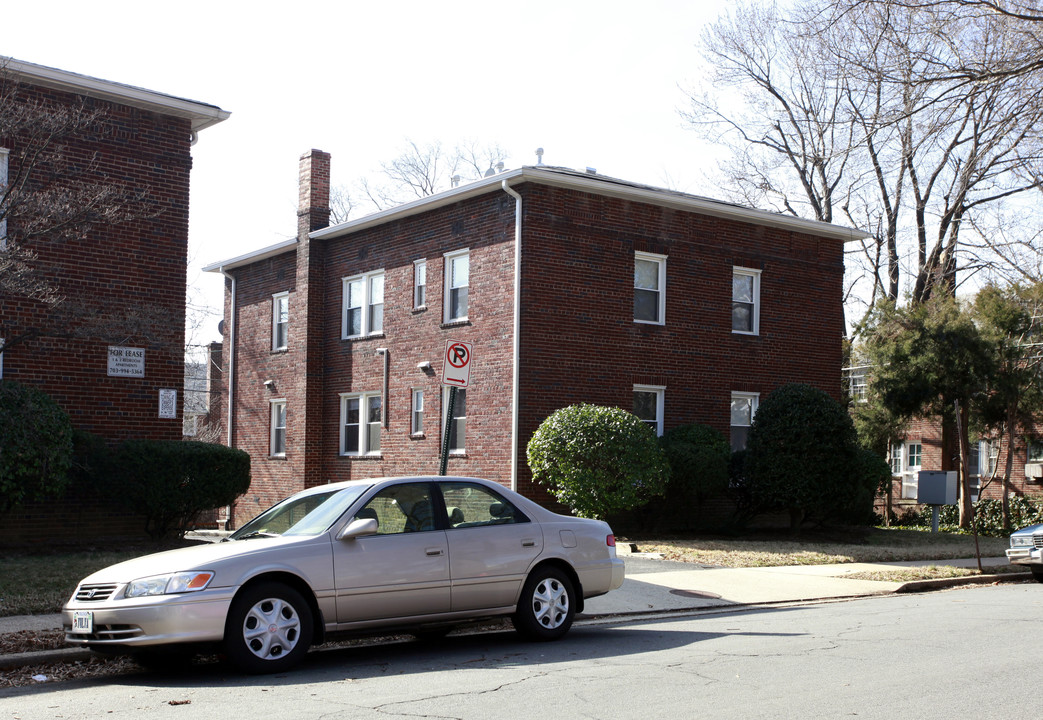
[598, 460]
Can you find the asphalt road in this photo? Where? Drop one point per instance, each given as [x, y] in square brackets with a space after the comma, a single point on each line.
[950, 654]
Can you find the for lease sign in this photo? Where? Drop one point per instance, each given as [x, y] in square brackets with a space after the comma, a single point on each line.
[126, 362]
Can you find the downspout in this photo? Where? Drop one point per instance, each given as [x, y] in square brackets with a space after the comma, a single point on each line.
[230, 382]
[516, 344]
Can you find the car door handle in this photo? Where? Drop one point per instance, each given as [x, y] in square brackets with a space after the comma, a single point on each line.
[433, 551]
[528, 543]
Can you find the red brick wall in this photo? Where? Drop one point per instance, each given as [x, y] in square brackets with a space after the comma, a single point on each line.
[579, 340]
[136, 265]
[581, 344]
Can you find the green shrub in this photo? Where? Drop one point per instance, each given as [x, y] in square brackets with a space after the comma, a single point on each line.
[698, 457]
[988, 516]
[871, 475]
[800, 454]
[172, 482]
[597, 460]
[35, 445]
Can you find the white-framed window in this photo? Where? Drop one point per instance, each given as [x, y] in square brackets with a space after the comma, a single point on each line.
[419, 283]
[277, 433]
[744, 408]
[360, 421]
[858, 383]
[416, 425]
[648, 406]
[746, 291]
[649, 288]
[988, 457]
[1034, 450]
[280, 321]
[4, 154]
[457, 285]
[458, 429]
[363, 305]
[912, 463]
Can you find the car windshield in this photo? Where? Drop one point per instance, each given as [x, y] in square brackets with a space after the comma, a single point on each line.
[301, 514]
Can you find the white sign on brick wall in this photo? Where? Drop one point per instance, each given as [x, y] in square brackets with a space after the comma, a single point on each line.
[168, 404]
[126, 362]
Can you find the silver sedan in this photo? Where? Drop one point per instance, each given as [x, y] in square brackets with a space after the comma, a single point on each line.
[411, 554]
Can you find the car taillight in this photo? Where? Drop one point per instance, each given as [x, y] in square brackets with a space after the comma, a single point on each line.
[610, 540]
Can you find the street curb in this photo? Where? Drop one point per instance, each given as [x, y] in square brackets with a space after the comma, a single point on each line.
[942, 583]
[43, 657]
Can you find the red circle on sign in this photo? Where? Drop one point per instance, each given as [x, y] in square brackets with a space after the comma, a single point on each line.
[457, 355]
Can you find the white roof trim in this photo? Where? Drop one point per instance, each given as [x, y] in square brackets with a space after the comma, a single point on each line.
[252, 257]
[575, 180]
[202, 115]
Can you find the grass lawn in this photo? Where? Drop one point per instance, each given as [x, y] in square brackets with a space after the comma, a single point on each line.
[814, 548]
[36, 584]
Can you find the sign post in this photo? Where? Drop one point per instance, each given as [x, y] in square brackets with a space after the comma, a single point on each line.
[456, 373]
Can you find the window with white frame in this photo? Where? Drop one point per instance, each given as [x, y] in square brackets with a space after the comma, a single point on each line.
[857, 384]
[363, 305]
[280, 321]
[360, 421]
[419, 283]
[648, 406]
[457, 285]
[458, 427]
[649, 288]
[744, 408]
[277, 434]
[912, 463]
[1034, 450]
[746, 288]
[417, 422]
[988, 457]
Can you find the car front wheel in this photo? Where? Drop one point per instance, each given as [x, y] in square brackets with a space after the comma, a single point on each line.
[1037, 573]
[269, 628]
[546, 610]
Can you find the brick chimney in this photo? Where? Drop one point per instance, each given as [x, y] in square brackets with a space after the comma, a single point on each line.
[313, 206]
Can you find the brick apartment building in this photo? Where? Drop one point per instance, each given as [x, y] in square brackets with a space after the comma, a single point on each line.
[571, 286]
[131, 387]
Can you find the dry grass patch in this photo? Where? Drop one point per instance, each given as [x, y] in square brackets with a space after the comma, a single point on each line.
[862, 545]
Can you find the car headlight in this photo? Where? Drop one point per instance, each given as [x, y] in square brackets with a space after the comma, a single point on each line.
[182, 582]
[1021, 541]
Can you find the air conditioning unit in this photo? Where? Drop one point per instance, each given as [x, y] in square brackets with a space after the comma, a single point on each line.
[1034, 471]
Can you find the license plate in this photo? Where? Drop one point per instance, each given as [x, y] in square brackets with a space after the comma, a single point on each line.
[82, 621]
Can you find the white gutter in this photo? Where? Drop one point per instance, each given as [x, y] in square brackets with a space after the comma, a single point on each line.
[230, 374]
[516, 342]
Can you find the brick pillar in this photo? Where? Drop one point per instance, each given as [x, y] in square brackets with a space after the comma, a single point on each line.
[304, 417]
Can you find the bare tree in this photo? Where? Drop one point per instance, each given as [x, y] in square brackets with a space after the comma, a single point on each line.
[858, 105]
[50, 197]
[419, 171]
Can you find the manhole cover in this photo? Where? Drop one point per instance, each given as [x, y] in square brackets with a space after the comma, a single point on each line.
[694, 594]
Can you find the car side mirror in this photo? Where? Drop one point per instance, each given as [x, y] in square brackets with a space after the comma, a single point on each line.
[358, 527]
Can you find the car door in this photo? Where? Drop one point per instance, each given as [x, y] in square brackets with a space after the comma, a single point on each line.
[492, 544]
[403, 570]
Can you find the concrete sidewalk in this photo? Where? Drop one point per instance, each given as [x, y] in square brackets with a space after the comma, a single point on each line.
[676, 587]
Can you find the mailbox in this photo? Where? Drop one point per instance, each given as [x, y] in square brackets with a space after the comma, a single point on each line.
[936, 487]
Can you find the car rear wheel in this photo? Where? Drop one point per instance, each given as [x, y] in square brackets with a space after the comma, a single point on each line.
[545, 611]
[269, 628]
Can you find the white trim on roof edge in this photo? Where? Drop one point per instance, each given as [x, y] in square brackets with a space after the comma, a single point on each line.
[202, 115]
[571, 179]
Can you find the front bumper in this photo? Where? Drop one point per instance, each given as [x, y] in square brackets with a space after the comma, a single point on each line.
[150, 621]
[1025, 556]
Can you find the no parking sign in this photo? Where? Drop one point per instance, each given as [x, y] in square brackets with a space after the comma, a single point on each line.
[456, 368]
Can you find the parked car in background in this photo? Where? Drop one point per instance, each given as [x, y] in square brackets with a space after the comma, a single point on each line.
[409, 554]
[1026, 548]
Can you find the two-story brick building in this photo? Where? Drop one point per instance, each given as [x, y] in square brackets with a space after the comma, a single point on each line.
[117, 364]
[571, 286]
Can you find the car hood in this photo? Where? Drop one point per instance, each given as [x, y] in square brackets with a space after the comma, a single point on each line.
[1030, 530]
[198, 557]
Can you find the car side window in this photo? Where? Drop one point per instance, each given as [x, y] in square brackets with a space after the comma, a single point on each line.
[401, 509]
[470, 505]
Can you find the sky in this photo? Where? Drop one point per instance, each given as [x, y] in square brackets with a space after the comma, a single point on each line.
[595, 83]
